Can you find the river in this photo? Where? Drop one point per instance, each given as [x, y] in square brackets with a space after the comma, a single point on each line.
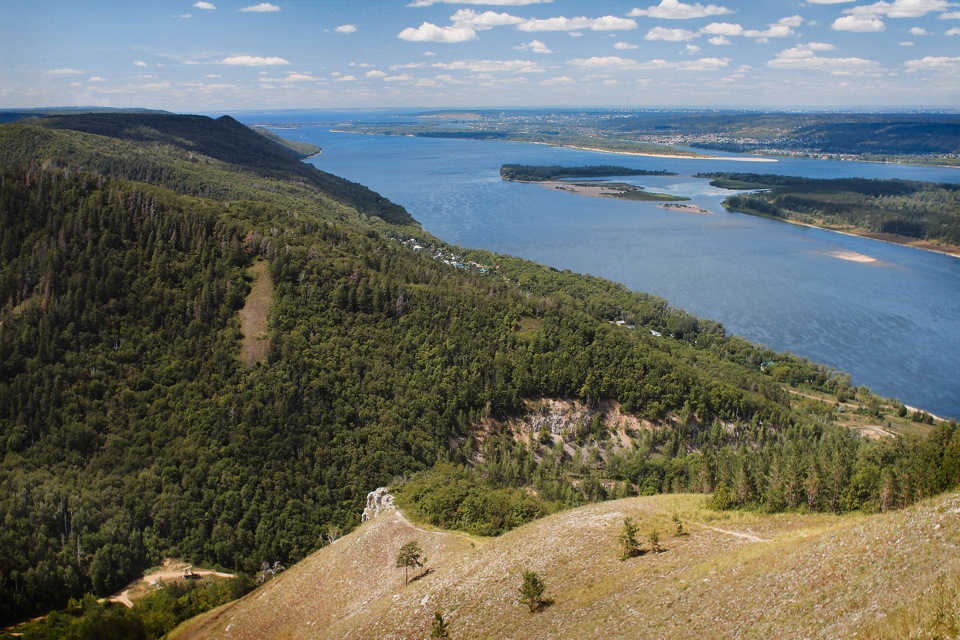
[889, 315]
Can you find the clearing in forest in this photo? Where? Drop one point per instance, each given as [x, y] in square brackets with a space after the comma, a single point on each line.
[253, 317]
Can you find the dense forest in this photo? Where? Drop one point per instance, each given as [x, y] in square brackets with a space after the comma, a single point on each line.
[131, 430]
[530, 173]
[921, 210]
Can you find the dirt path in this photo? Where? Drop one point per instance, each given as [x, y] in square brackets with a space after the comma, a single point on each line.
[168, 572]
[738, 534]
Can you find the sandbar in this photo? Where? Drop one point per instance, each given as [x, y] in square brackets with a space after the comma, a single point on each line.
[685, 208]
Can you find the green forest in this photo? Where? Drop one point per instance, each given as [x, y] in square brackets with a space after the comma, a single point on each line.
[130, 429]
[920, 210]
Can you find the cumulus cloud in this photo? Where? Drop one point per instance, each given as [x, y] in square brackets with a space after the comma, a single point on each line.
[720, 40]
[139, 63]
[616, 63]
[859, 24]
[560, 81]
[502, 3]
[429, 32]
[676, 10]
[375, 74]
[96, 79]
[606, 23]
[918, 31]
[64, 71]
[345, 79]
[534, 46]
[346, 28]
[470, 19]
[624, 46]
[300, 77]
[900, 8]
[255, 61]
[722, 29]
[669, 35]
[933, 63]
[263, 7]
[489, 66]
[209, 6]
[805, 56]
[782, 28]
[952, 15]
[953, 32]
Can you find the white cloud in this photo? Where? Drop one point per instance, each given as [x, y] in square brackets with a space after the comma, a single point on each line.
[782, 28]
[428, 32]
[263, 7]
[670, 35]
[375, 74]
[918, 31]
[805, 56]
[953, 32]
[404, 77]
[502, 3]
[66, 71]
[255, 61]
[953, 15]
[624, 46]
[561, 81]
[300, 77]
[722, 29]
[534, 46]
[692, 48]
[606, 23]
[139, 63]
[184, 15]
[96, 79]
[859, 24]
[345, 79]
[346, 28]
[488, 66]
[932, 63]
[209, 6]
[829, 1]
[720, 40]
[676, 10]
[616, 63]
[905, 44]
[470, 19]
[900, 8]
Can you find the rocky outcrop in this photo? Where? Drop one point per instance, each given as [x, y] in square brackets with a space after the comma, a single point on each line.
[377, 500]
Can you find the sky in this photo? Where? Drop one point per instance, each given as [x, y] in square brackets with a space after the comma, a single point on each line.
[191, 56]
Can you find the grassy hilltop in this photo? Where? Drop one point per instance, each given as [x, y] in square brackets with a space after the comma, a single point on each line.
[729, 575]
[211, 351]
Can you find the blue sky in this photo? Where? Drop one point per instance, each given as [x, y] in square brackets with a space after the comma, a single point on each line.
[189, 56]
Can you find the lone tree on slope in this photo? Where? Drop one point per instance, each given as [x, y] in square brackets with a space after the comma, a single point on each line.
[629, 546]
[531, 592]
[411, 555]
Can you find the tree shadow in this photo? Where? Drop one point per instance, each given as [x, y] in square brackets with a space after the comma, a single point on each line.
[421, 575]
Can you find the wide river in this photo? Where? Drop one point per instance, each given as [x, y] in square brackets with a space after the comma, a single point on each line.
[888, 315]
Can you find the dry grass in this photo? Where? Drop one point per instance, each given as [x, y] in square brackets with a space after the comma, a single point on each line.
[814, 576]
[254, 316]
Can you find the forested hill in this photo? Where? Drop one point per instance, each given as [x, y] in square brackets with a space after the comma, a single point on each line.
[172, 150]
[130, 428]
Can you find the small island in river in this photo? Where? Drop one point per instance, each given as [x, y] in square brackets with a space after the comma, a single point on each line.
[552, 177]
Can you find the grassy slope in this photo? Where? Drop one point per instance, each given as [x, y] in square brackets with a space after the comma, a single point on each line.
[811, 576]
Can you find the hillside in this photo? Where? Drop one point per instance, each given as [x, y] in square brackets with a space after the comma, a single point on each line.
[734, 575]
[211, 351]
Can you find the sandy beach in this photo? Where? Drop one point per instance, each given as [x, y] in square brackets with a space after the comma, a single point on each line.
[599, 190]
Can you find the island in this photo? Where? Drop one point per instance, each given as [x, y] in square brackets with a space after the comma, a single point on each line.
[925, 215]
[554, 177]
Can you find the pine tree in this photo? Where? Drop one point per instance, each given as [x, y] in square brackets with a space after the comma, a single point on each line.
[410, 556]
[438, 630]
[629, 546]
[531, 591]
